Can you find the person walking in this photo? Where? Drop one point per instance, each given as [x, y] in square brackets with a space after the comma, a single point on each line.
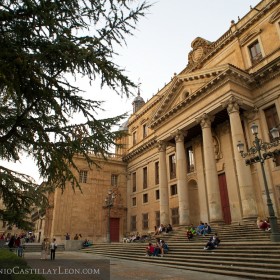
[45, 247]
[53, 247]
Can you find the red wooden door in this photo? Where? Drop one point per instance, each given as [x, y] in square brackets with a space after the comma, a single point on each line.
[224, 198]
[115, 229]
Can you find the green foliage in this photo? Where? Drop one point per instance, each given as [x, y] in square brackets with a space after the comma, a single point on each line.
[9, 260]
[42, 44]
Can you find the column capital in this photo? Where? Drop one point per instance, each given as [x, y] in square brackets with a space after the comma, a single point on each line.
[205, 120]
[161, 146]
[179, 135]
[232, 104]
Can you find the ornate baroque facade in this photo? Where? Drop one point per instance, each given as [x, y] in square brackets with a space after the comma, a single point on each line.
[180, 163]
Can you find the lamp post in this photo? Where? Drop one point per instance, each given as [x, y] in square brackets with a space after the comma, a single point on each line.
[109, 202]
[258, 146]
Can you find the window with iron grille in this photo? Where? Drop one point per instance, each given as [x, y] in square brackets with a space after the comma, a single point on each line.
[175, 216]
[172, 166]
[255, 52]
[145, 177]
[145, 198]
[157, 173]
[133, 223]
[114, 180]
[134, 182]
[157, 195]
[145, 221]
[134, 138]
[190, 159]
[157, 215]
[272, 120]
[145, 131]
[83, 174]
[173, 189]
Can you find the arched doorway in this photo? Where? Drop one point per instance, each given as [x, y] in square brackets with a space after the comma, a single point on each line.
[194, 202]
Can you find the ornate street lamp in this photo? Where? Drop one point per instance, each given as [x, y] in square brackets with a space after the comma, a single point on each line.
[258, 146]
[109, 203]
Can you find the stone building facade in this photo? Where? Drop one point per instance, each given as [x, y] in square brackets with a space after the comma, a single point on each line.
[85, 212]
[180, 163]
[182, 159]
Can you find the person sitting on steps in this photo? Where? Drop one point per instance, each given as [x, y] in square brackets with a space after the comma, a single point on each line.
[213, 242]
[150, 249]
[189, 234]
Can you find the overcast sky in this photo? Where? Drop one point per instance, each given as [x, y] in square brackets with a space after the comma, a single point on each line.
[162, 41]
[160, 47]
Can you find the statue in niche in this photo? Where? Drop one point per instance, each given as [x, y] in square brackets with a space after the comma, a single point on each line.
[217, 148]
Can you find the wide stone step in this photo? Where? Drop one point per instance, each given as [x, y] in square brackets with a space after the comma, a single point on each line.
[245, 251]
[260, 271]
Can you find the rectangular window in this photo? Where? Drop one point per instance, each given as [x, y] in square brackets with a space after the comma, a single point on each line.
[172, 166]
[83, 176]
[145, 178]
[173, 189]
[134, 182]
[114, 180]
[145, 221]
[157, 194]
[272, 120]
[145, 131]
[157, 215]
[255, 52]
[145, 198]
[134, 138]
[175, 216]
[157, 173]
[134, 201]
[190, 159]
[133, 223]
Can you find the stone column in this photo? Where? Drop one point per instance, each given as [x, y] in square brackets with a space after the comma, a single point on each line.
[247, 193]
[182, 183]
[212, 182]
[163, 185]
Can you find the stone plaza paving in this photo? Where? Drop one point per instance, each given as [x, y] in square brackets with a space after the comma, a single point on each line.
[78, 265]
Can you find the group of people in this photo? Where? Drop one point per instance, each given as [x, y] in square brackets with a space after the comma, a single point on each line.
[78, 237]
[17, 243]
[86, 243]
[163, 229]
[158, 249]
[202, 229]
[136, 237]
[48, 248]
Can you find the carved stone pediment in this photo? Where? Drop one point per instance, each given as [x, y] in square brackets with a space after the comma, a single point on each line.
[187, 89]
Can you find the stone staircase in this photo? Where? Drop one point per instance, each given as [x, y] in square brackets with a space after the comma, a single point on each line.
[245, 251]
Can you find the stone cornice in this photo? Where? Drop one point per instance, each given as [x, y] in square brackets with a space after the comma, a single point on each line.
[140, 150]
[234, 32]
